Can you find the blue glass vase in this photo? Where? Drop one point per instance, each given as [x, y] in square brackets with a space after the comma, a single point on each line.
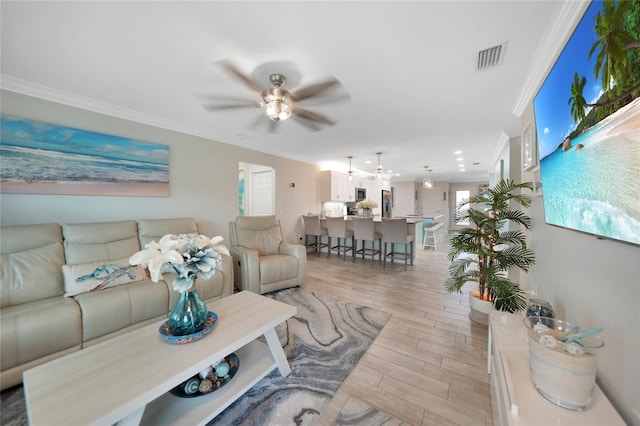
[189, 314]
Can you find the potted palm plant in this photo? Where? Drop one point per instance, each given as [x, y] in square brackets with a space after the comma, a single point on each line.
[486, 250]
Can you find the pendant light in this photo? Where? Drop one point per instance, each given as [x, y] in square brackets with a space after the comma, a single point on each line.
[427, 183]
[379, 168]
[350, 171]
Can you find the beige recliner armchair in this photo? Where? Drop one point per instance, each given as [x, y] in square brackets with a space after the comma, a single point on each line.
[262, 260]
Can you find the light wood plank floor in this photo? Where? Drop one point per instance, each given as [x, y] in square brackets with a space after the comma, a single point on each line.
[428, 365]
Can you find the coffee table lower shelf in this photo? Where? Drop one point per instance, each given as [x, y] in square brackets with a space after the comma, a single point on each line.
[256, 362]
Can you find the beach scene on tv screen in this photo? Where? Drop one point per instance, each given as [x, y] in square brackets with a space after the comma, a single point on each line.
[587, 116]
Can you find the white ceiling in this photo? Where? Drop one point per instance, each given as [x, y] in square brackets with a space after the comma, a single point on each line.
[409, 68]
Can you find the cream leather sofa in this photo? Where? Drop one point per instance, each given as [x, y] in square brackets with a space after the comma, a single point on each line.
[262, 260]
[38, 323]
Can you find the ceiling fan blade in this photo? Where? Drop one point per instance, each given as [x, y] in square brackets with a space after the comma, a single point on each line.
[273, 126]
[235, 71]
[256, 122]
[311, 125]
[214, 107]
[329, 98]
[312, 116]
[314, 89]
[207, 97]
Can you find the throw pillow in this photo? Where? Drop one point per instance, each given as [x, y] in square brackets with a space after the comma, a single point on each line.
[94, 276]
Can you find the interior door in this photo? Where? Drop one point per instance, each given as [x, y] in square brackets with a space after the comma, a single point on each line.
[256, 190]
[262, 193]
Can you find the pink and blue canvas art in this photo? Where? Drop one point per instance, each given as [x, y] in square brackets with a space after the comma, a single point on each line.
[44, 158]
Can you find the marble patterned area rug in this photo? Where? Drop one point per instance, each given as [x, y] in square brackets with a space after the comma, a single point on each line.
[12, 409]
[323, 343]
[356, 412]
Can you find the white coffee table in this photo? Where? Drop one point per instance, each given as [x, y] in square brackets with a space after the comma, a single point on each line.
[125, 380]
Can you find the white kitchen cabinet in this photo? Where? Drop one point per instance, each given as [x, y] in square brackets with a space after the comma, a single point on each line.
[336, 186]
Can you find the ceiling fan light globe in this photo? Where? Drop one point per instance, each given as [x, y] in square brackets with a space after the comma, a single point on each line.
[277, 104]
[278, 110]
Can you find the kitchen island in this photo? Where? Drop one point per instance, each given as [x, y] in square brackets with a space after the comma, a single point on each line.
[415, 225]
[422, 222]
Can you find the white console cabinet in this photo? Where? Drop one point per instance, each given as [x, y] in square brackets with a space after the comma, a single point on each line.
[514, 398]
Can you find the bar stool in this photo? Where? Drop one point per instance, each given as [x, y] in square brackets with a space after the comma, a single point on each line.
[394, 231]
[313, 228]
[337, 227]
[364, 230]
[431, 237]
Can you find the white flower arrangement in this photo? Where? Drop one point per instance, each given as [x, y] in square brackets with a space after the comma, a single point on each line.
[367, 204]
[186, 255]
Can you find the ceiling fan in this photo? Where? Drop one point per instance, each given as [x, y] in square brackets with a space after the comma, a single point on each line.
[277, 103]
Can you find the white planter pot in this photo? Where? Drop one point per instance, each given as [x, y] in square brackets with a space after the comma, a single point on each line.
[479, 309]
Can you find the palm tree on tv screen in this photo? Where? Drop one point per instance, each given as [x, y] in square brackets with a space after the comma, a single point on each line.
[577, 100]
[612, 63]
[617, 64]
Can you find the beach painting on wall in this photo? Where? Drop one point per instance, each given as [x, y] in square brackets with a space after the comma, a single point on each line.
[43, 158]
[587, 116]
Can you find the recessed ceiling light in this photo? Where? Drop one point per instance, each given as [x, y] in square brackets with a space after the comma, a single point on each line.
[463, 170]
[459, 159]
[397, 174]
[458, 152]
[367, 162]
[389, 171]
[460, 165]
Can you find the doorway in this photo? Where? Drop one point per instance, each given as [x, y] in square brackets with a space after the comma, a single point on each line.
[461, 195]
[256, 190]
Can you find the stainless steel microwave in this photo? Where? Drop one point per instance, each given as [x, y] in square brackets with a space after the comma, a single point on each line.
[361, 194]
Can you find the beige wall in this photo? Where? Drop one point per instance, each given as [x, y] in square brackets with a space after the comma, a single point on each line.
[203, 178]
[593, 282]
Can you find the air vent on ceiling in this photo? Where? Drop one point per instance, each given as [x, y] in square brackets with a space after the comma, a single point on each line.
[491, 57]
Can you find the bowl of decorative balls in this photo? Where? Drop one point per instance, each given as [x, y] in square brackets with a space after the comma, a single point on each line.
[210, 379]
[562, 360]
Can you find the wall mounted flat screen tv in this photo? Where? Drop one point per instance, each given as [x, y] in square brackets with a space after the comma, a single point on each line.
[587, 116]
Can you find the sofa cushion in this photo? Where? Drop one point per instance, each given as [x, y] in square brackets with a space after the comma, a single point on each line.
[154, 229]
[34, 330]
[113, 309]
[261, 233]
[277, 267]
[31, 275]
[93, 242]
[24, 237]
[95, 276]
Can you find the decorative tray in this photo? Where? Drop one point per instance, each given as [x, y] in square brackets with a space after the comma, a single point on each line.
[209, 380]
[165, 333]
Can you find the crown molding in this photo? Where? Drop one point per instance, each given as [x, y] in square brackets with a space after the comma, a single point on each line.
[503, 140]
[28, 88]
[558, 33]
[46, 93]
